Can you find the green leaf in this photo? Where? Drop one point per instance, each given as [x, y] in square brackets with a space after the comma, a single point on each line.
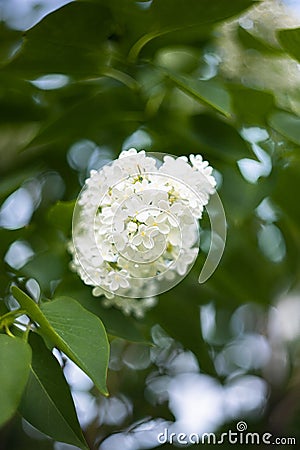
[211, 93]
[75, 331]
[82, 335]
[47, 402]
[60, 215]
[287, 124]
[115, 322]
[34, 312]
[290, 41]
[68, 40]
[15, 357]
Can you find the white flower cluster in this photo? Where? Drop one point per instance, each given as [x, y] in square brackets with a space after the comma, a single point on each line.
[135, 226]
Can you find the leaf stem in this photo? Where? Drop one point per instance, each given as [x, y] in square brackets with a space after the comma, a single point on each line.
[35, 314]
[9, 318]
[27, 330]
[7, 330]
[140, 43]
[121, 76]
[12, 314]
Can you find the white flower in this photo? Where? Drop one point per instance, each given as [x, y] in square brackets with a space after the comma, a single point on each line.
[136, 226]
[115, 280]
[144, 236]
[135, 163]
[174, 237]
[129, 152]
[203, 166]
[186, 258]
[198, 163]
[158, 223]
[98, 291]
[133, 206]
[130, 305]
[120, 240]
[131, 227]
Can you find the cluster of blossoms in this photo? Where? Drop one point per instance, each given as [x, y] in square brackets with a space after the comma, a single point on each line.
[135, 226]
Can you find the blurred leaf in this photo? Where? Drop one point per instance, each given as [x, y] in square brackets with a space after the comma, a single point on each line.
[35, 268]
[131, 22]
[287, 183]
[3, 308]
[69, 40]
[15, 357]
[197, 37]
[210, 92]
[60, 215]
[19, 101]
[245, 275]
[10, 40]
[179, 59]
[113, 113]
[250, 41]
[47, 403]
[137, 25]
[290, 41]
[219, 137]
[250, 106]
[14, 136]
[179, 315]
[184, 20]
[7, 237]
[287, 124]
[182, 13]
[65, 322]
[11, 182]
[240, 197]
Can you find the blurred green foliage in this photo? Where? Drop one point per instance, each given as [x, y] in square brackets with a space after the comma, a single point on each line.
[91, 79]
